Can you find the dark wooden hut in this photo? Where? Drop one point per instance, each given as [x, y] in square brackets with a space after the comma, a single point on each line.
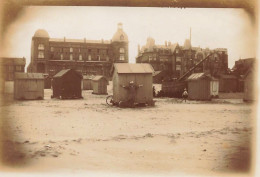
[47, 81]
[67, 84]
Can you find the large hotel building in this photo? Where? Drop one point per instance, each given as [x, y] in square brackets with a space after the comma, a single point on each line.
[50, 55]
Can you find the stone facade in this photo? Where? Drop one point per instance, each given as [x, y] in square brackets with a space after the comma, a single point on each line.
[176, 60]
[50, 55]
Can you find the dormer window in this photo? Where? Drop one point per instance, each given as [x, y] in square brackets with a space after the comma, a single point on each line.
[122, 37]
[40, 47]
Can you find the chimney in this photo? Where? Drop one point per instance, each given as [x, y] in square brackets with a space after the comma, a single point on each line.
[169, 43]
[84, 40]
[138, 48]
[64, 39]
[166, 43]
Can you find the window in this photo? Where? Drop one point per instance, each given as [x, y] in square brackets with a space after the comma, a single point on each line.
[89, 57]
[98, 57]
[122, 37]
[52, 49]
[40, 54]
[122, 57]
[71, 49]
[61, 56]
[10, 68]
[107, 58]
[122, 50]
[18, 68]
[150, 58]
[71, 57]
[40, 47]
[178, 67]
[80, 57]
[178, 59]
[177, 50]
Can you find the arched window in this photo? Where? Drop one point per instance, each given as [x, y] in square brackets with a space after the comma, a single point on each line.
[122, 50]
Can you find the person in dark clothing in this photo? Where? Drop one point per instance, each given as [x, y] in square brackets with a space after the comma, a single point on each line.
[154, 92]
[132, 89]
[185, 95]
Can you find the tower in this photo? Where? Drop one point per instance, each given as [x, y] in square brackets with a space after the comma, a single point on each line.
[39, 52]
[120, 45]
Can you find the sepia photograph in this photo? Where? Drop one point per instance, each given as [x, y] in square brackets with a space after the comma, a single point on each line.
[128, 89]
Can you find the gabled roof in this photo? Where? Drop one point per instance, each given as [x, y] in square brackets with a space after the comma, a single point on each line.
[197, 76]
[88, 77]
[65, 71]
[129, 68]
[29, 76]
[97, 78]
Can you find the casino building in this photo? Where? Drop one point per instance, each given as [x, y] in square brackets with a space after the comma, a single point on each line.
[50, 55]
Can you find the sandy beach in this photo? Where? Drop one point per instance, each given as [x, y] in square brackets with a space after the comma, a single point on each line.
[195, 137]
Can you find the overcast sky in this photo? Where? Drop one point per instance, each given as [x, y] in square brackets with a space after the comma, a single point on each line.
[213, 28]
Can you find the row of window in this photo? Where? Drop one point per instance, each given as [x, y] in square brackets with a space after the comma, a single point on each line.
[121, 57]
[41, 47]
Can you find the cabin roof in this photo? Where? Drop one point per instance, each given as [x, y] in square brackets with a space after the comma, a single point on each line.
[29, 76]
[97, 78]
[129, 68]
[198, 76]
[65, 71]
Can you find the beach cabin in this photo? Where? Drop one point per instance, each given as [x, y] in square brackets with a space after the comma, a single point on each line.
[28, 86]
[202, 86]
[228, 83]
[99, 85]
[141, 74]
[87, 82]
[249, 86]
[66, 84]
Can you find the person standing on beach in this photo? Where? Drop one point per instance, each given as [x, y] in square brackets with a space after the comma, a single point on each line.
[132, 89]
[185, 95]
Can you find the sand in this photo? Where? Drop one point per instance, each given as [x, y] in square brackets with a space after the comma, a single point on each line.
[173, 137]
